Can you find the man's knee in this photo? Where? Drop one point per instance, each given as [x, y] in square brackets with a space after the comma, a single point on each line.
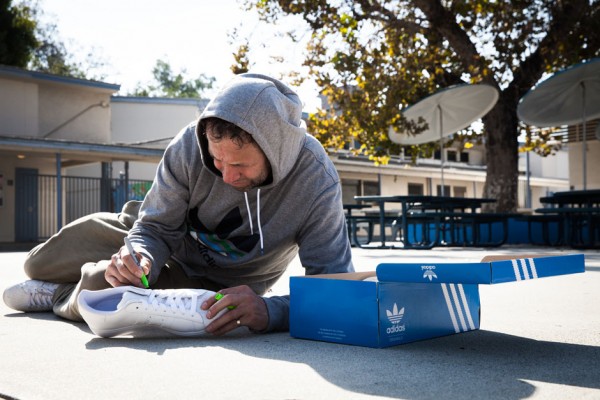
[33, 268]
[92, 275]
[129, 213]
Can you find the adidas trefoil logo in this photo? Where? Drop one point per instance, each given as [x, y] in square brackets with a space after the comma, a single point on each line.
[429, 273]
[395, 316]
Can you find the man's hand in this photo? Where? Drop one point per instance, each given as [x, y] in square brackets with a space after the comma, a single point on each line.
[250, 310]
[123, 270]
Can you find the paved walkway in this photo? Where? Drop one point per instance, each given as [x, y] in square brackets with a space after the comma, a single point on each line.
[538, 339]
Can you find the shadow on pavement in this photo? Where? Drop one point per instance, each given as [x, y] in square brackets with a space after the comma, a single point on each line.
[480, 364]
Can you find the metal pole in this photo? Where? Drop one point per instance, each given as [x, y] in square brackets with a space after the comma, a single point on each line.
[584, 137]
[59, 217]
[442, 156]
[126, 181]
[528, 174]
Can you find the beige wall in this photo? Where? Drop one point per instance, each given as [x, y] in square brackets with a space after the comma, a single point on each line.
[80, 115]
[137, 170]
[30, 108]
[18, 108]
[592, 163]
[138, 120]
[395, 178]
[397, 183]
[32, 105]
[135, 121]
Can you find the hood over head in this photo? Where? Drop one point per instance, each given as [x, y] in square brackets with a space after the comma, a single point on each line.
[268, 110]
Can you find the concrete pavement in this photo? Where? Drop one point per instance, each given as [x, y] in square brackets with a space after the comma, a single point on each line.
[538, 339]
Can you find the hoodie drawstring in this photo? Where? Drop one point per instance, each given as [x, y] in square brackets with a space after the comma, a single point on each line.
[249, 213]
[262, 247]
[260, 234]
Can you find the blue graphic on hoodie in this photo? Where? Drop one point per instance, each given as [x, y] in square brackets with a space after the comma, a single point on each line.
[218, 241]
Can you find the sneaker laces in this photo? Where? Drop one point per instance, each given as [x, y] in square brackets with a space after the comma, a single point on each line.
[39, 296]
[180, 301]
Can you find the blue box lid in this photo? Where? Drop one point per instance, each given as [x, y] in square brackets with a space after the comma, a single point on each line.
[487, 272]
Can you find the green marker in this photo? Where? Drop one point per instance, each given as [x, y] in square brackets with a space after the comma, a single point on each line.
[219, 296]
[133, 254]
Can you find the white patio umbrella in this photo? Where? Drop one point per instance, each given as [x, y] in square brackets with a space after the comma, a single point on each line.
[570, 96]
[446, 112]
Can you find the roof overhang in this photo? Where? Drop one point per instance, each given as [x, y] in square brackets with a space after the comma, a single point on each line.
[34, 76]
[75, 153]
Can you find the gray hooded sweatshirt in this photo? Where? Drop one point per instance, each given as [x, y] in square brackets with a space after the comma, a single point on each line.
[247, 238]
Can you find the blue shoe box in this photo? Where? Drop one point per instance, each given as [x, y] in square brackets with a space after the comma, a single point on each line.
[402, 303]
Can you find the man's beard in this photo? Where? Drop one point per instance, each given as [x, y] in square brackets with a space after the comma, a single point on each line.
[261, 180]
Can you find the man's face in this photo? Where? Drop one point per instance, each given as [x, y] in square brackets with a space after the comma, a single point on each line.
[244, 167]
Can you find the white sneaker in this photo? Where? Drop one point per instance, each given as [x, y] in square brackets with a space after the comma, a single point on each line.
[128, 310]
[30, 296]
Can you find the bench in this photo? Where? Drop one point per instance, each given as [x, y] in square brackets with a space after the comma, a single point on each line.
[545, 222]
[421, 234]
[466, 228]
[358, 222]
[579, 226]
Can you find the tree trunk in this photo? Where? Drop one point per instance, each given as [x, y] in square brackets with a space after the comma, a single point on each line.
[502, 155]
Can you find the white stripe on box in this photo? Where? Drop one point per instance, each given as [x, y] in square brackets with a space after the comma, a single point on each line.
[450, 309]
[524, 267]
[533, 269]
[466, 306]
[516, 269]
[458, 307]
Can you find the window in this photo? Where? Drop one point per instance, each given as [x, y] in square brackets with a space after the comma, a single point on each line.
[451, 155]
[446, 190]
[356, 187]
[415, 189]
[370, 188]
[464, 157]
[350, 188]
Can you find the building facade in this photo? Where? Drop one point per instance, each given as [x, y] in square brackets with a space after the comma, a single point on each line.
[57, 132]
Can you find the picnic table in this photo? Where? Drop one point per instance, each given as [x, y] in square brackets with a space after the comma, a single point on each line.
[435, 220]
[578, 215]
[353, 220]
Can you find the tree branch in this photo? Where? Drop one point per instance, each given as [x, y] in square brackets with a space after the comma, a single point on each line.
[375, 11]
[444, 22]
[565, 15]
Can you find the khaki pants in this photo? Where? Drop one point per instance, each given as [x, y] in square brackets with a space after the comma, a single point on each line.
[77, 256]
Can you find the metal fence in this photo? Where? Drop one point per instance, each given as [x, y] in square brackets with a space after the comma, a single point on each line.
[81, 196]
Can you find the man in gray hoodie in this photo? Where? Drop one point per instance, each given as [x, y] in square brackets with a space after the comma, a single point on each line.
[236, 197]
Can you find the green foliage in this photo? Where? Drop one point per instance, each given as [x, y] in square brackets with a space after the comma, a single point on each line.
[27, 43]
[543, 142]
[17, 34]
[51, 55]
[241, 60]
[169, 84]
[375, 57]
[241, 57]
